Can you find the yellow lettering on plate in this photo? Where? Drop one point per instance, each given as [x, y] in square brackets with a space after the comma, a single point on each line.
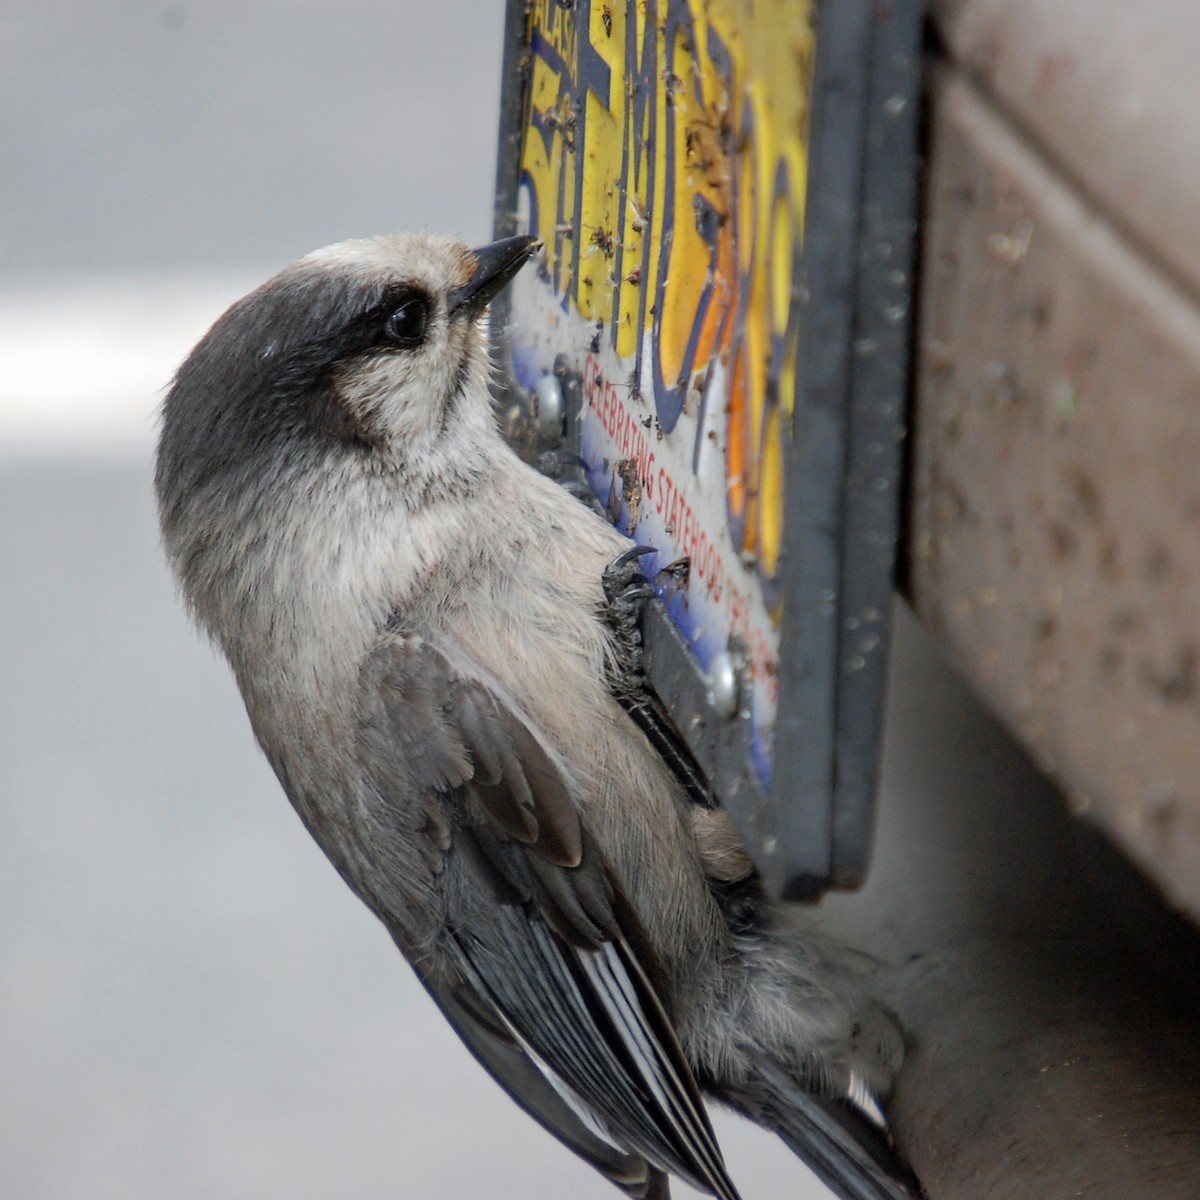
[665, 156]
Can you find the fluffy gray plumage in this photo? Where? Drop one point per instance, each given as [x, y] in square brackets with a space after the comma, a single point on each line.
[417, 624]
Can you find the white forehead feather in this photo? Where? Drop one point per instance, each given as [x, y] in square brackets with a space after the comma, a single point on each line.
[434, 259]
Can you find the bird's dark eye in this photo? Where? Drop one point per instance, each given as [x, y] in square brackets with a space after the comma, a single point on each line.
[406, 325]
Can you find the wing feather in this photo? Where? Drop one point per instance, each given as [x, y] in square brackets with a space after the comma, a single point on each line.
[527, 1083]
[538, 928]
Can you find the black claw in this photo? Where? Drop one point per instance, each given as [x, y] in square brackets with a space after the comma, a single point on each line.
[631, 555]
[633, 595]
[623, 572]
[625, 604]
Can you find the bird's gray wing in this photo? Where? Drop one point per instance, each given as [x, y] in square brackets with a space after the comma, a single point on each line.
[502, 1057]
[549, 954]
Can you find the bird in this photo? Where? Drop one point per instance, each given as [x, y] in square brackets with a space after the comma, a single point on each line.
[437, 650]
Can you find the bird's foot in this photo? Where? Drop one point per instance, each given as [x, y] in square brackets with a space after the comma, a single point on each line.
[568, 470]
[626, 592]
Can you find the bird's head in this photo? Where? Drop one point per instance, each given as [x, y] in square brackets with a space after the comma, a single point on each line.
[370, 348]
[355, 378]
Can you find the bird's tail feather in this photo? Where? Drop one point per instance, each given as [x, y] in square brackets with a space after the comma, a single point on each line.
[842, 1143]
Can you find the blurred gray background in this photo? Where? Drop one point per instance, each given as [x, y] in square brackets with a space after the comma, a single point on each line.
[191, 1003]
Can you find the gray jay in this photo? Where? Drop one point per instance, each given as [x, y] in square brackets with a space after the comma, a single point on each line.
[437, 650]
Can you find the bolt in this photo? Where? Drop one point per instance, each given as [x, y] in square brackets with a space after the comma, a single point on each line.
[723, 685]
[549, 408]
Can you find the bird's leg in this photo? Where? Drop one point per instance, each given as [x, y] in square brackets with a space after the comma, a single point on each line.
[583, 493]
[568, 470]
[626, 591]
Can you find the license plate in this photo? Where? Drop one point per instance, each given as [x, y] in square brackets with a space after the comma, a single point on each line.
[662, 153]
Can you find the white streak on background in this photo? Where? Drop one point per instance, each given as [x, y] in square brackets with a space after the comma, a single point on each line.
[84, 363]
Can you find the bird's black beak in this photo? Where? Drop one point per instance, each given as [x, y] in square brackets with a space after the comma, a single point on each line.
[496, 265]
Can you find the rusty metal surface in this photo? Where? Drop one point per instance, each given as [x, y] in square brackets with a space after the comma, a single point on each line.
[1055, 525]
[1052, 1005]
[1108, 90]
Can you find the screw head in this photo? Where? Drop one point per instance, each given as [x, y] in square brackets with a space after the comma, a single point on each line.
[723, 684]
[549, 406]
